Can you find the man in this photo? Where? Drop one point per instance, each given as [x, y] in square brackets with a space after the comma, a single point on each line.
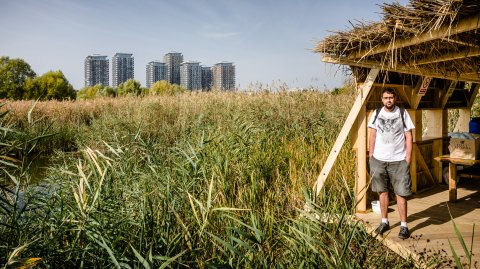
[390, 151]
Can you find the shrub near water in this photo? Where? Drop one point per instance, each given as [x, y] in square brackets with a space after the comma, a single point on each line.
[195, 180]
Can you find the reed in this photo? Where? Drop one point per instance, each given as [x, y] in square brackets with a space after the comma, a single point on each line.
[195, 180]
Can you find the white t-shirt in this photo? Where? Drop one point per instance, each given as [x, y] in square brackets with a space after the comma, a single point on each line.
[390, 143]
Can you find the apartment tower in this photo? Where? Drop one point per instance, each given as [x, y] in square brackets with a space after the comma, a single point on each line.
[191, 75]
[173, 61]
[206, 78]
[156, 71]
[224, 76]
[96, 70]
[122, 68]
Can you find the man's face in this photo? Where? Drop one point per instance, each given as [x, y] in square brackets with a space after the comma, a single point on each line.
[388, 100]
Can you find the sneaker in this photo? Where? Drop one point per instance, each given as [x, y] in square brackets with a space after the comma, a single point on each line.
[382, 228]
[404, 233]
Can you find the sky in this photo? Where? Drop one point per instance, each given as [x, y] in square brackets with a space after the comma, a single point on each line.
[270, 42]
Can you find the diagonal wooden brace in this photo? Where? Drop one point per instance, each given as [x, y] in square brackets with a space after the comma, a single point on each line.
[359, 102]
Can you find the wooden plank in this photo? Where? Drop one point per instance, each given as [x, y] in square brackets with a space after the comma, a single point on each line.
[452, 182]
[465, 25]
[361, 186]
[404, 69]
[448, 93]
[473, 94]
[431, 226]
[437, 150]
[357, 105]
[434, 123]
[463, 120]
[423, 164]
[471, 52]
[451, 40]
[419, 91]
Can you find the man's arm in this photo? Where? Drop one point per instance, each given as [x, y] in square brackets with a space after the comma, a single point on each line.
[371, 144]
[409, 144]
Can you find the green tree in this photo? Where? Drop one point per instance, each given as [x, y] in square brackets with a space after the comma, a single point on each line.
[51, 85]
[162, 87]
[96, 91]
[130, 87]
[13, 76]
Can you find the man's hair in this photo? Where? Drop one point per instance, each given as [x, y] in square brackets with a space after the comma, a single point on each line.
[390, 91]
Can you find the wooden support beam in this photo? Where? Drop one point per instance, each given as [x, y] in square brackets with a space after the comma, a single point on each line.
[362, 180]
[423, 165]
[473, 94]
[357, 105]
[404, 69]
[437, 150]
[434, 123]
[404, 96]
[465, 25]
[416, 116]
[472, 52]
[419, 91]
[452, 40]
[452, 182]
[448, 93]
[463, 120]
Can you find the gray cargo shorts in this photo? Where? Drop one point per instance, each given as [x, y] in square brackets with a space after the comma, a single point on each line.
[398, 173]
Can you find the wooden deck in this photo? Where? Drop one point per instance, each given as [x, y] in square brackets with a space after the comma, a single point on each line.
[431, 226]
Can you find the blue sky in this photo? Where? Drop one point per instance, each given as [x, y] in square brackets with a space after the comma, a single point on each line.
[268, 41]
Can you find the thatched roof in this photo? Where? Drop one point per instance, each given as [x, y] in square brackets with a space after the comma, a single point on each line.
[438, 38]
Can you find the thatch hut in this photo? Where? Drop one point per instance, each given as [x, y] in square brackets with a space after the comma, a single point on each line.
[429, 51]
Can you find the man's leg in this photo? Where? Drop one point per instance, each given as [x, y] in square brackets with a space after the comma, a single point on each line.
[379, 185]
[402, 208]
[384, 204]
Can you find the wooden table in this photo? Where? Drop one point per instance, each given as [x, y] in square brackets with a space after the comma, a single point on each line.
[452, 173]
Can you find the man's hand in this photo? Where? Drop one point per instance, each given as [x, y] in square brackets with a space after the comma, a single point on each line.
[408, 159]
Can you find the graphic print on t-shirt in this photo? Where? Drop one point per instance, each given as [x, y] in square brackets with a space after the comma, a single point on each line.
[388, 127]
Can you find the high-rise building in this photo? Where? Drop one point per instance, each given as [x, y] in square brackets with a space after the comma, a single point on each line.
[156, 71]
[173, 61]
[96, 70]
[206, 78]
[224, 76]
[191, 75]
[122, 68]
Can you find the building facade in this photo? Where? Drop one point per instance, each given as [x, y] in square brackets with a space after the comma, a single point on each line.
[96, 70]
[156, 71]
[191, 75]
[122, 68]
[224, 76]
[206, 78]
[173, 61]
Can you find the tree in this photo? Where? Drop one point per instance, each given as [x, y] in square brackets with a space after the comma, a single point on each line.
[162, 87]
[130, 87]
[96, 91]
[51, 85]
[13, 76]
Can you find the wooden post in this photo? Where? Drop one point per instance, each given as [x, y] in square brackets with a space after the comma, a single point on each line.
[463, 120]
[362, 180]
[452, 182]
[436, 128]
[448, 93]
[352, 116]
[416, 116]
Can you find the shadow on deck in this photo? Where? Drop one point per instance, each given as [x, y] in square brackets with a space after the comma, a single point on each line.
[431, 225]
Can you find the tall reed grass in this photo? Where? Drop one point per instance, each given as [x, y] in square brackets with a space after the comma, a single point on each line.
[213, 180]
